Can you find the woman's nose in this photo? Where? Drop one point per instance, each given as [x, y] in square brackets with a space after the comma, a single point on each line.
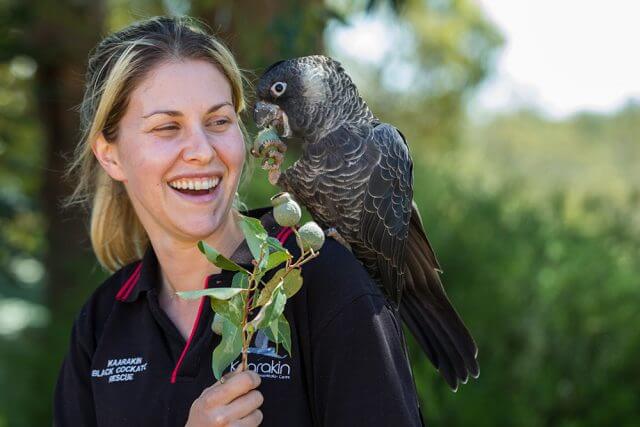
[199, 146]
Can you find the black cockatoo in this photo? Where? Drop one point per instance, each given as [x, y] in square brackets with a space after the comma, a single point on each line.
[355, 176]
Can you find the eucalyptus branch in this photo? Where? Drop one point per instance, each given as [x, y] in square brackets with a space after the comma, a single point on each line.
[234, 319]
[247, 335]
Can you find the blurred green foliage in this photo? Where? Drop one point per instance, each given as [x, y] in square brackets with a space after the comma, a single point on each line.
[534, 221]
[551, 302]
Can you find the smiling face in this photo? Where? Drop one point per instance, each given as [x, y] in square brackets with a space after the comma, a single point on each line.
[180, 121]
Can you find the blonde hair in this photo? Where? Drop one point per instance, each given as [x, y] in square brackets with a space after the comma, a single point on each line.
[116, 65]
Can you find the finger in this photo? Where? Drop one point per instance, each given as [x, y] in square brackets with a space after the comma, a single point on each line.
[243, 405]
[252, 420]
[235, 385]
[226, 376]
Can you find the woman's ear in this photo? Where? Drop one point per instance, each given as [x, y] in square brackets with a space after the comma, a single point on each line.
[108, 156]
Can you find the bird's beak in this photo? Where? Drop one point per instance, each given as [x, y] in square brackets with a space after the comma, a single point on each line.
[268, 114]
[264, 113]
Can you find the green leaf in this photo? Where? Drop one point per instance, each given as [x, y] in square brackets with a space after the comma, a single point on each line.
[250, 329]
[272, 309]
[276, 258]
[232, 309]
[228, 350]
[259, 274]
[265, 257]
[217, 323]
[279, 332]
[217, 258]
[240, 280]
[254, 233]
[215, 293]
[275, 244]
[265, 293]
[292, 282]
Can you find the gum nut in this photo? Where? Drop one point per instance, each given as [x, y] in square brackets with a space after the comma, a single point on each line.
[312, 236]
[264, 136]
[287, 214]
[216, 326]
[268, 134]
[280, 198]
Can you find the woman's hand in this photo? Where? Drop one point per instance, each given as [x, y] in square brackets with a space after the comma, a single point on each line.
[234, 403]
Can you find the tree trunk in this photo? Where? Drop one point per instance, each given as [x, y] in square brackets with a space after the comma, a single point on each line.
[60, 42]
[59, 37]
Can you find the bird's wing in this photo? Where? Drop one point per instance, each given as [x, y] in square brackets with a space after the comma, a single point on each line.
[419, 227]
[387, 206]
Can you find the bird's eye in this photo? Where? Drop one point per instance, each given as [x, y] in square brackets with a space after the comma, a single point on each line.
[278, 88]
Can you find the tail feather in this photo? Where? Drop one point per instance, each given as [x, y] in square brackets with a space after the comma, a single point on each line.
[437, 315]
[446, 358]
[432, 300]
[429, 315]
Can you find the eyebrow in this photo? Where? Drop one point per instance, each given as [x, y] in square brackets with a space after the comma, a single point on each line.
[174, 113]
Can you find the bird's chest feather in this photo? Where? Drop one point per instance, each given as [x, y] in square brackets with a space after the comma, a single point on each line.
[331, 184]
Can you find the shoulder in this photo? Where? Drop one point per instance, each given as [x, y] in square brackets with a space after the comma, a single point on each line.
[337, 272]
[95, 311]
[333, 282]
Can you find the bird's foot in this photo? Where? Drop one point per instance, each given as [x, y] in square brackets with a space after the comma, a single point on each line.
[267, 140]
[272, 160]
[275, 144]
[332, 232]
[274, 176]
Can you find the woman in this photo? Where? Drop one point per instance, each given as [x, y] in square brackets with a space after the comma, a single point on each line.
[161, 114]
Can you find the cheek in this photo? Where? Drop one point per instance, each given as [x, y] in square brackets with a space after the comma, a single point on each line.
[232, 152]
[146, 164]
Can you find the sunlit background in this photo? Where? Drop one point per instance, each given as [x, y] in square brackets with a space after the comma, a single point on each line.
[523, 121]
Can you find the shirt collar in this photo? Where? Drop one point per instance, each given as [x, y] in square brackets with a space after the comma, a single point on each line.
[148, 272]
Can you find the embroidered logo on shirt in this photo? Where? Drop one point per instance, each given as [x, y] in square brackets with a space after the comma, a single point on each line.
[278, 370]
[123, 369]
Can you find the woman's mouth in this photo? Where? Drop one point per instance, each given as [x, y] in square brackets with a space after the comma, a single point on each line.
[202, 195]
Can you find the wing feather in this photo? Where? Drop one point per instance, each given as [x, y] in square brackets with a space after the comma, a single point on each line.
[387, 208]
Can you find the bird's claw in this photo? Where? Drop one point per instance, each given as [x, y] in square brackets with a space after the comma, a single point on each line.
[274, 176]
[278, 144]
[272, 160]
[273, 157]
[272, 151]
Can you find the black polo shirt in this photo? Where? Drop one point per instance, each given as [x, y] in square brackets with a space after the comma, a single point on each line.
[128, 365]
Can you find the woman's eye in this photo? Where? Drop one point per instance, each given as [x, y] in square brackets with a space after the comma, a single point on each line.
[167, 128]
[212, 123]
[219, 122]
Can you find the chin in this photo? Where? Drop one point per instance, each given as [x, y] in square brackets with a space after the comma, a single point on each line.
[199, 229]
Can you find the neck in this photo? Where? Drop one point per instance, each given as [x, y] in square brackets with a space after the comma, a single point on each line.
[184, 268]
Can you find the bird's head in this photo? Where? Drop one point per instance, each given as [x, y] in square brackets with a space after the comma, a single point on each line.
[304, 97]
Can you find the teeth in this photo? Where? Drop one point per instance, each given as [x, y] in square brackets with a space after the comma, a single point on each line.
[195, 184]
